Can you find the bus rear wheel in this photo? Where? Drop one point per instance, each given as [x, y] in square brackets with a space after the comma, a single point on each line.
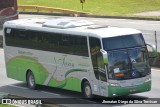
[86, 90]
[31, 80]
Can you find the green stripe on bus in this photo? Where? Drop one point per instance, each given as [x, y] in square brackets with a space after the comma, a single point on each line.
[17, 67]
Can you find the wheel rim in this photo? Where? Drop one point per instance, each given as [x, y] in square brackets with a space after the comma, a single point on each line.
[88, 91]
[31, 80]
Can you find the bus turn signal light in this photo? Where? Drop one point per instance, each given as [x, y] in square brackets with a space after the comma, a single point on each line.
[119, 75]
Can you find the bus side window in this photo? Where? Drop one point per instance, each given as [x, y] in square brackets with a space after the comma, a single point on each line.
[53, 42]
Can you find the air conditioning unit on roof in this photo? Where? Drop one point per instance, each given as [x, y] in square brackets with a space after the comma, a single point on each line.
[66, 23]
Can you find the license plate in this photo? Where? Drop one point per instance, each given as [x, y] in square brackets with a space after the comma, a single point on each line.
[132, 90]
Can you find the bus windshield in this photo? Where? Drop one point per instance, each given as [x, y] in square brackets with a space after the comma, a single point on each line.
[122, 42]
[125, 59]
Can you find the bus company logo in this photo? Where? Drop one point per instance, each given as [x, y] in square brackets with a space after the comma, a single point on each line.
[21, 101]
[64, 62]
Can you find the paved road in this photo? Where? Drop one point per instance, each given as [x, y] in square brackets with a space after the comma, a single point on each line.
[137, 24]
[147, 27]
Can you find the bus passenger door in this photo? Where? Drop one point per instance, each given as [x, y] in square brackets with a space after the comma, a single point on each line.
[100, 80]
[102, 75]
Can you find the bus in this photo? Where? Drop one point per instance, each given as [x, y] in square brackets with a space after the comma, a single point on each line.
[8, 10]
[77, 55]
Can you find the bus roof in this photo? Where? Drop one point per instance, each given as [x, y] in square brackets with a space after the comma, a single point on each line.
[69, 26]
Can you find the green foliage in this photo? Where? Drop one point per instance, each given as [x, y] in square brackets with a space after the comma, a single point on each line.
[100, 7]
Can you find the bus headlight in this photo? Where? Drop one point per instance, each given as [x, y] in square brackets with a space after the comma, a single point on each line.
[114, 84]
[147, 80]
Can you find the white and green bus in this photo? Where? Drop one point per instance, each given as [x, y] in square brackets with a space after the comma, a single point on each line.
[77, 55]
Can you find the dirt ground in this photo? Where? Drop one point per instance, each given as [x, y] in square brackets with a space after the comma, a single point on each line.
[149, 13]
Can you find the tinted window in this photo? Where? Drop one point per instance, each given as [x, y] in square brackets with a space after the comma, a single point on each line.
[62, 43]
[123, 42]
[94, 50]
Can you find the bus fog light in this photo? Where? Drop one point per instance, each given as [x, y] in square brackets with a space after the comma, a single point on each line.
[114, 84]
[114, 94]
[147, 80]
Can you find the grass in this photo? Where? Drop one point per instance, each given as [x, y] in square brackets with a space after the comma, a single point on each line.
[6, 105]
[100, 7]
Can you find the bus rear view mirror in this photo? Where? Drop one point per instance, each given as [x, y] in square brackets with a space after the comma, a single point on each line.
[105, 56]
[154, 52]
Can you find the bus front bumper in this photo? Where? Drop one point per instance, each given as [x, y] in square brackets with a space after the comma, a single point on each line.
[123, 91]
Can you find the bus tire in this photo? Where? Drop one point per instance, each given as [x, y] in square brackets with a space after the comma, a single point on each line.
[86, 90]
[31, 80]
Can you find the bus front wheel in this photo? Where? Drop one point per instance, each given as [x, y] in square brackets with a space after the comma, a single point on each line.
[31, 80]
[87, 91]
